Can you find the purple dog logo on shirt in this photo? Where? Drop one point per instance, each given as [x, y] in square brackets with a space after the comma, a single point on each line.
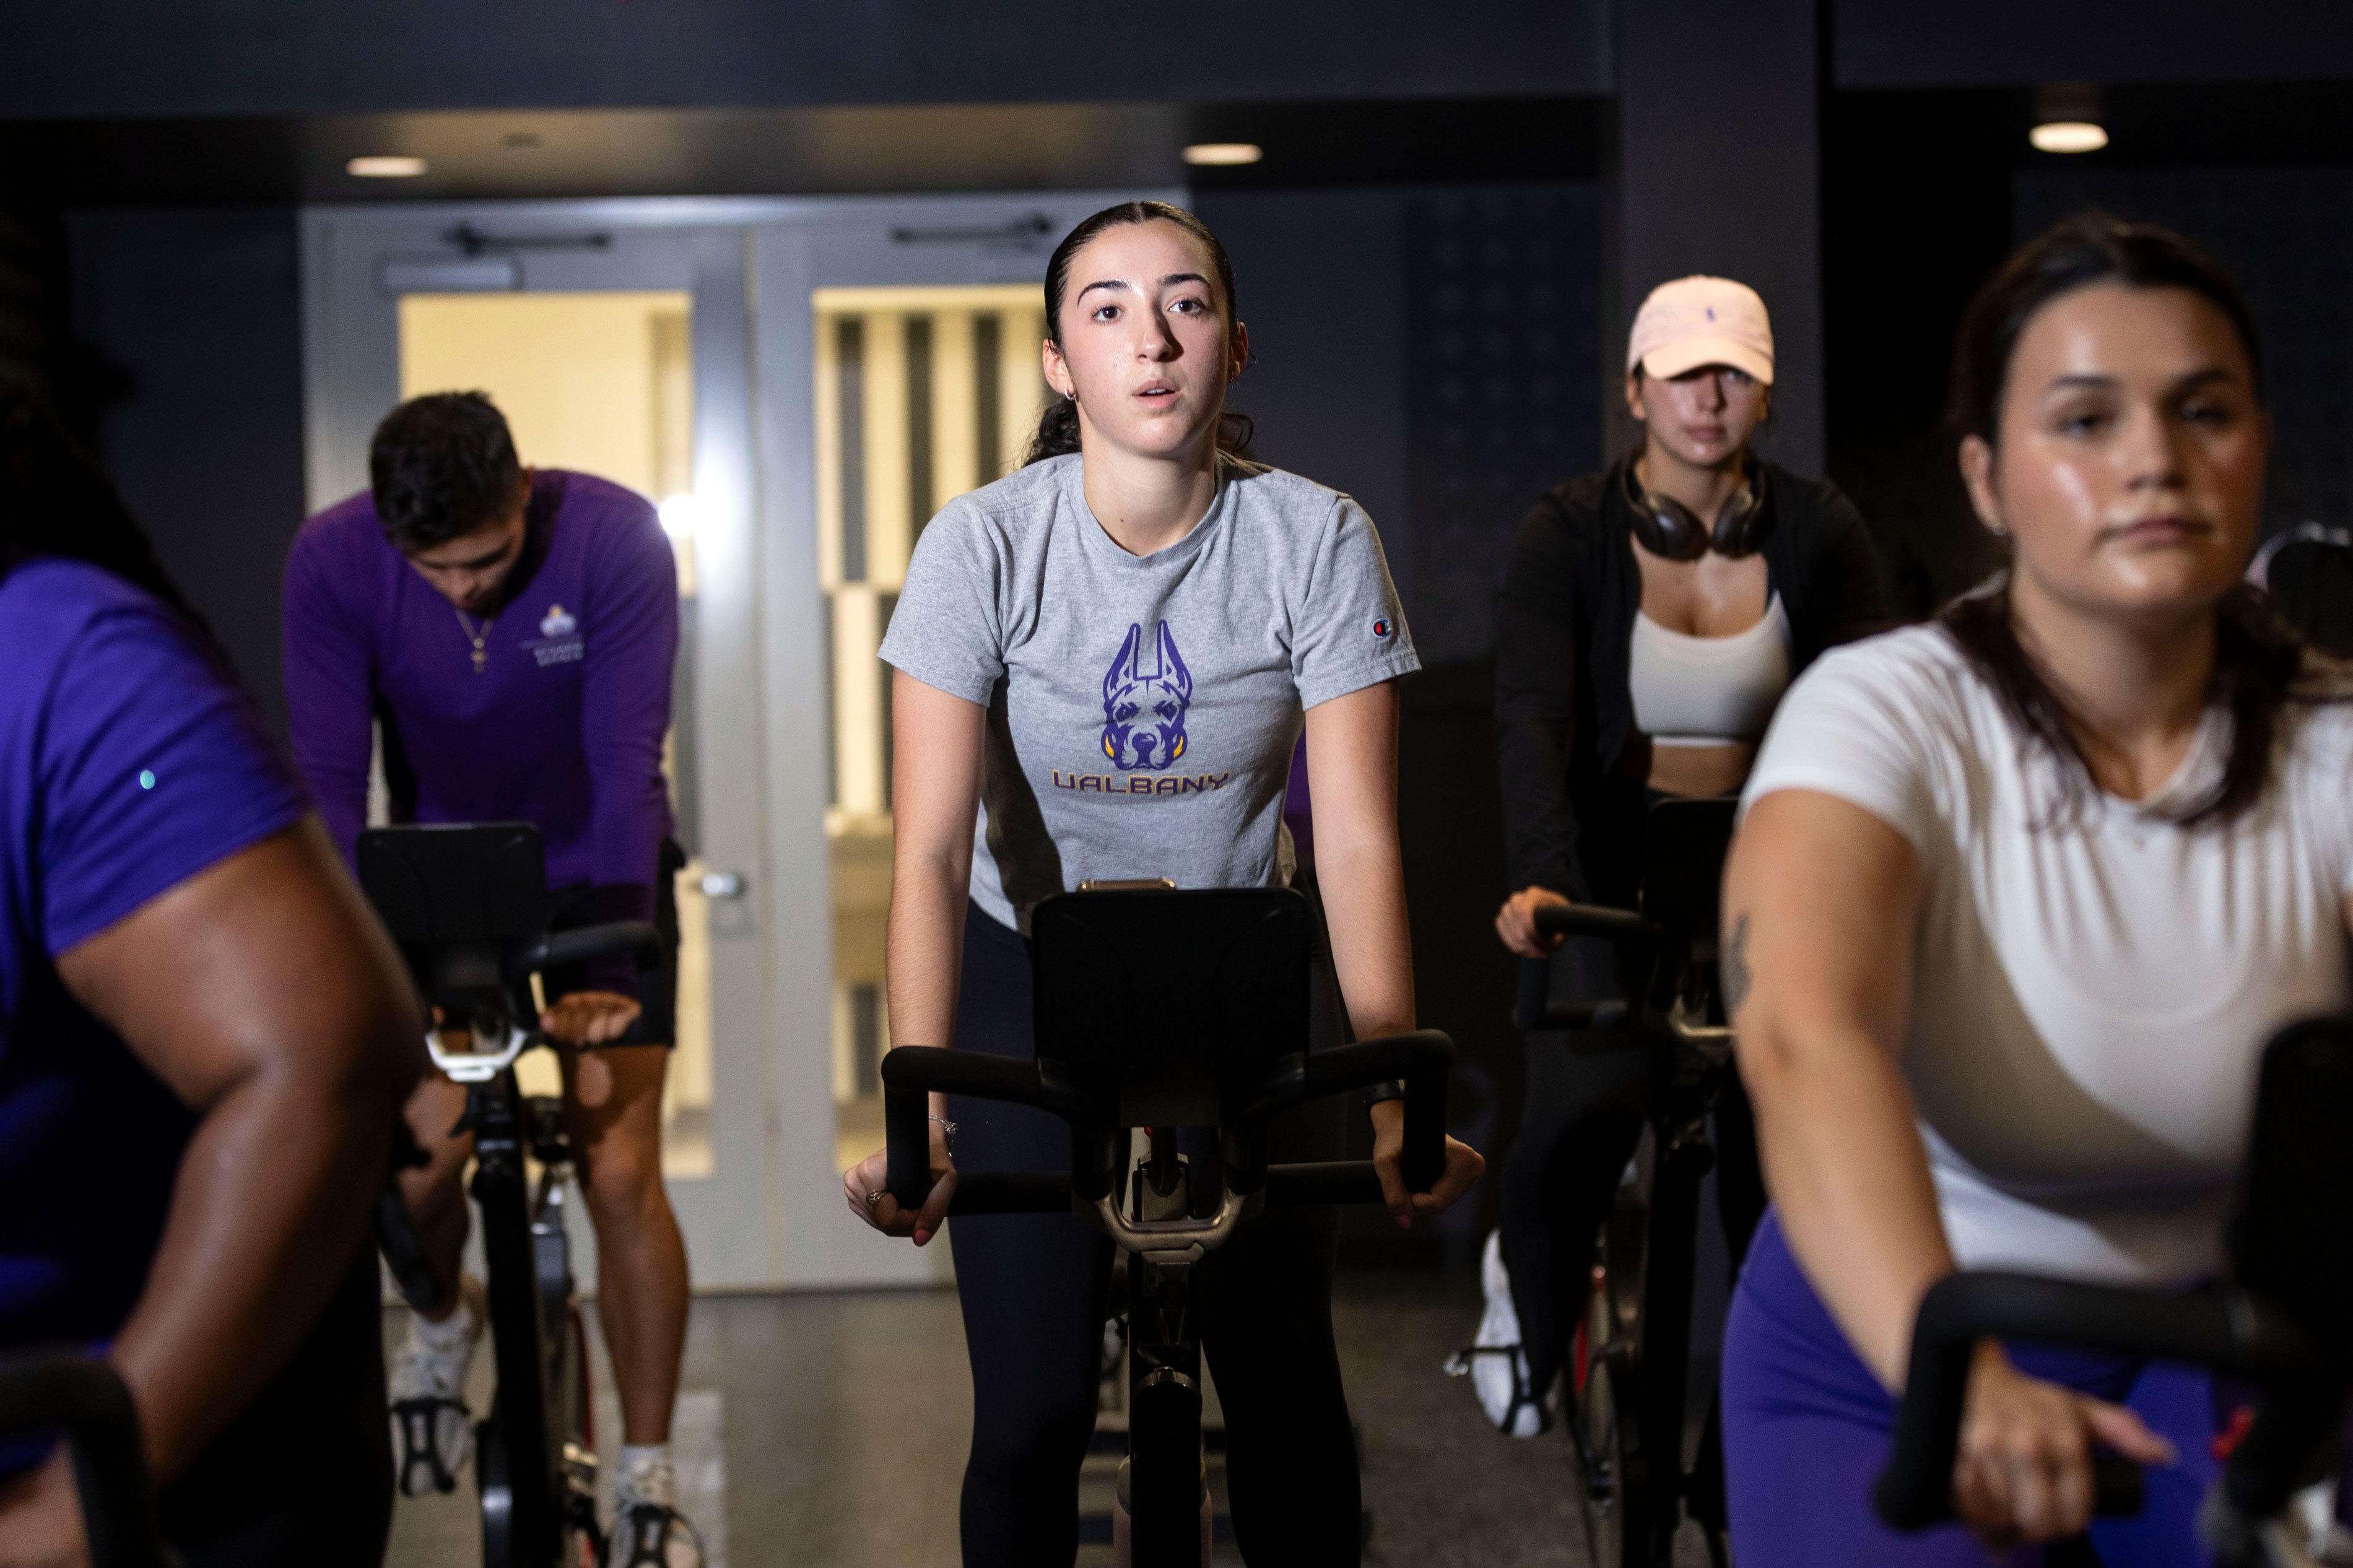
[1143, 709]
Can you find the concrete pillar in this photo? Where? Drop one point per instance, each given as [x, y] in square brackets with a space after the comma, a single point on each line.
[1716, 168]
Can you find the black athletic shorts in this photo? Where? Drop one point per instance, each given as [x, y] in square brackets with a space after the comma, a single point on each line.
[657, 986]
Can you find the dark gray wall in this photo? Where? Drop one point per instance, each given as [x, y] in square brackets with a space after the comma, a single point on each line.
[197, 311]
[1988, 43]
[1718, 172]
[2286, 236]
[149, 57]
[1431, 350]
[1321, 276]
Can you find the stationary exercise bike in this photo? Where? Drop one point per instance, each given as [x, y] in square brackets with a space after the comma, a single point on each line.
[1220, 1048]
[1630, 1367]
[469, 907]
[2282, 1321]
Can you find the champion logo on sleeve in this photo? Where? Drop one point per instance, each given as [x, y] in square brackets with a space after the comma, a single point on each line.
[1383, 628]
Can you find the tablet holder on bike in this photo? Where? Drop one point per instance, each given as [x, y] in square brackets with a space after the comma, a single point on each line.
[1157, 1010]
[63, 1391]
[2282, 1321]
[468, 905]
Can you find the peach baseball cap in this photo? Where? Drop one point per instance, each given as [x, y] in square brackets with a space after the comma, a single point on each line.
[1699, 320]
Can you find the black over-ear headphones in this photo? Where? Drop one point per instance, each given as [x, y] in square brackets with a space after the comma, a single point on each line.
[1667, 528]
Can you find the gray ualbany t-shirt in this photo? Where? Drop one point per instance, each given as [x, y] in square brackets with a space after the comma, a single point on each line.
[1143, 710]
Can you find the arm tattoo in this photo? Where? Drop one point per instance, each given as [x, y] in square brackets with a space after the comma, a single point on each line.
[1736, 966]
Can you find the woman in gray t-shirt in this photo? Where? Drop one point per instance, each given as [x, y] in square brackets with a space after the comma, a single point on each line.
[1104, 664]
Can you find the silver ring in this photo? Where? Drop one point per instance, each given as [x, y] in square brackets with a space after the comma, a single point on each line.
[875, 1196]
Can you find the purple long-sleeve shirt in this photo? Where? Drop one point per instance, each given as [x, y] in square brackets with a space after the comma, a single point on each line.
[563, 728]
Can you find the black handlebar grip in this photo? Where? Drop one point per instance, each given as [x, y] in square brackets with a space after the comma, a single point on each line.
[911, 1075]
[47, 1389]
[1592, 920]
[1424, 1157]
[558, 950]
[907, 1133]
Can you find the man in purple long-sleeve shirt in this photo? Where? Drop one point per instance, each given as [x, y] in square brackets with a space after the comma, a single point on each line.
[513, 632]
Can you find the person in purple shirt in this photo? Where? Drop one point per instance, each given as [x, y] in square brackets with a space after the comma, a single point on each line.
[512, 633]
[206, 1040]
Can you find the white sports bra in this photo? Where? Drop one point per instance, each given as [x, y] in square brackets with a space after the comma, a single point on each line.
[1705, 691]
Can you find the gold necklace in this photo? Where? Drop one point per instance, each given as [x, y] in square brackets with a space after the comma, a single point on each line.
[477, 638]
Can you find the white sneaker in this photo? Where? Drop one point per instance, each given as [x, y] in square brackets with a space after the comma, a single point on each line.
[1496, 1364]
[432, 1430]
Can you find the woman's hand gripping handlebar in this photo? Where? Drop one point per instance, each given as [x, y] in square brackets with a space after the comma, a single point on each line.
[1993, 1450]
[1553, 919]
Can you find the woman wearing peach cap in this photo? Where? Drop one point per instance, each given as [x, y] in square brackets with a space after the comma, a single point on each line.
[1651, 617]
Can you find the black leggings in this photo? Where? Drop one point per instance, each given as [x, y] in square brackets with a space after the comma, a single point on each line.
[1583, 1116]
[1033, 1291]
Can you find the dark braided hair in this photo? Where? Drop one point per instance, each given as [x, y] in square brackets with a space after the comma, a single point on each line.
[1058, 427]
[56, 501]
[2258, 659]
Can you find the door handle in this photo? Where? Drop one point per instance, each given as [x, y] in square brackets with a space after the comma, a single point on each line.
[723, 884]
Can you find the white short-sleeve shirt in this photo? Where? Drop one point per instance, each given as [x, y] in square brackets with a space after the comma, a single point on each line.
[2091, 992]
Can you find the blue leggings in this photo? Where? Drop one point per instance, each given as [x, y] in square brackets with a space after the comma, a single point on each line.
[1806, 1432]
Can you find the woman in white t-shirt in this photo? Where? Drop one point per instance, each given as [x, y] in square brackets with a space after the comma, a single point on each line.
[2018, 899]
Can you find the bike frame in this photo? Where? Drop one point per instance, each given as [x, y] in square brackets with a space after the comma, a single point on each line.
[528, 1507]
[1679, 1010]
[1193, 1075]
[468, 906]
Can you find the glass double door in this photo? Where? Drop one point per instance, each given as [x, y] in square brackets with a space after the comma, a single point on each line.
[798, 385]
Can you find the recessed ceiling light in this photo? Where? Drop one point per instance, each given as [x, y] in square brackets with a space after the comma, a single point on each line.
[1223, 154]
[2068, 136]
[386, 166]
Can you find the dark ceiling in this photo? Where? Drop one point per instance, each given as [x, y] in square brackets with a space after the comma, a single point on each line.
[613, 153]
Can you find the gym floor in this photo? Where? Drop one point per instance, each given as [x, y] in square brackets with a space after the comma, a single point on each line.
[828, 1431]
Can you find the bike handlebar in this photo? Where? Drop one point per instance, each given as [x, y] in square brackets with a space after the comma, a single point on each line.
[2225, 1332]
[911, 1073]
[1533, 1010]
[1593, 920]
[557, 949]
[51, 1389]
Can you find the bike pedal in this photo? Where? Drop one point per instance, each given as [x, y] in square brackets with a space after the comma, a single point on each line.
[420, 1456]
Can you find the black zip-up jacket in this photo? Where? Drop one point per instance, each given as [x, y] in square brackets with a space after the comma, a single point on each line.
[1563, 627]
